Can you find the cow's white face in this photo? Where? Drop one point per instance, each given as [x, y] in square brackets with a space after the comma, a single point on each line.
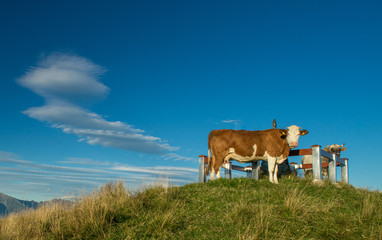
[293, 133]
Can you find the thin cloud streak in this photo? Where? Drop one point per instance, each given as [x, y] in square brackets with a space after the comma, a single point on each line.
[84, 161]
[70, 116]
[230, 121]
[177, 157]
[236, 123]
[123, 140]
[66, 178]
[163, 172]
[46, 169]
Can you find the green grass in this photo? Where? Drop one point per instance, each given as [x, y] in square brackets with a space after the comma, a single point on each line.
[222, 209]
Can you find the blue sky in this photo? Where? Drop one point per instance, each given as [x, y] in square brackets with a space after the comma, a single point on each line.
[98, 91]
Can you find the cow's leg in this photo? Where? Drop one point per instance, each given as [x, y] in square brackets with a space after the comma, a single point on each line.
[275, 173]
[217, 171]
[271, 168]
[212, 175]
[219, 158]
[218, 174]
[213, 163]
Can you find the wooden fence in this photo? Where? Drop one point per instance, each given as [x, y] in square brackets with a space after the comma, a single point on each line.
[252, 171]
[316, 152]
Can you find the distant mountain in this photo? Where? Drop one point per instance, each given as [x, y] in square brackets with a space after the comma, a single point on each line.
[10, 204]
[3, 209]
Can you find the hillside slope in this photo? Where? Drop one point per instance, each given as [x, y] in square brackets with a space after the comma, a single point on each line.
[222, 209]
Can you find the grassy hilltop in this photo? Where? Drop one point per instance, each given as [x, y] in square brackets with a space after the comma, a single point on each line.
[223, 209]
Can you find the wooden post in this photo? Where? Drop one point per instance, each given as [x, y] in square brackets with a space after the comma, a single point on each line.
[332, 169]
[227, 170]
[316, 163]
[345, 172]
[202, 175]
[255, 170]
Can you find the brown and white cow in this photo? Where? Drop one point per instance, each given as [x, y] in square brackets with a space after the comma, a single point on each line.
[272, 145]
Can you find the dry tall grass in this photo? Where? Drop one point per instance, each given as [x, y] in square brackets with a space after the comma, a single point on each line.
[93, 214]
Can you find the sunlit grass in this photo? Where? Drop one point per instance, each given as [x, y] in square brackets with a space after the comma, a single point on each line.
[223, 209]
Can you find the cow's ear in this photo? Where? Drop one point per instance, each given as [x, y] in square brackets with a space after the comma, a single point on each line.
[327, 149]
[284, 132]
[343, 149]
[304, 132]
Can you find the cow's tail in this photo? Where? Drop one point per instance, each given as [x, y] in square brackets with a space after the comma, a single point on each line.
[210, 154]
[207, 170]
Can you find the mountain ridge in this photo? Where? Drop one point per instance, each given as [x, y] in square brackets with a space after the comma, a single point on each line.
[10, 204]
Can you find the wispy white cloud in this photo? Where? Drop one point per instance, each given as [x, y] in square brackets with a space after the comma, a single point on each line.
[230, 121]
[71, 116]
[123, 140]
[181, 169]
[65, 77]
[236, 123]
[65, 82]
[7, 155]
[177, 157]
[84, 161]
[162, 171]
[20, 176]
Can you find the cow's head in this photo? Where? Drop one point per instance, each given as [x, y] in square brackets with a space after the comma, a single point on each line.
[335, 148]
[292, 135]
